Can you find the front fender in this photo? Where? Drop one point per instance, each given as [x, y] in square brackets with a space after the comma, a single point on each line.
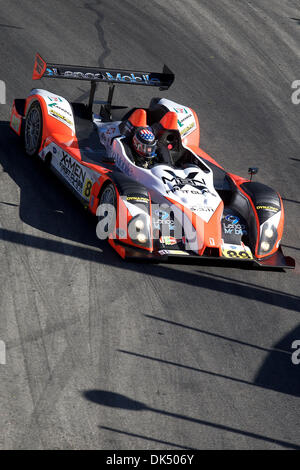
[133, 201]
[268, 215]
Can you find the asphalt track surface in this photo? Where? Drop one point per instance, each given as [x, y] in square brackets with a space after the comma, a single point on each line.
[113, 355]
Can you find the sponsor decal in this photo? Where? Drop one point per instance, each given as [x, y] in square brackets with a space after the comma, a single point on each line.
[75, 175]
[122, 164]
[167, 240]
[137, 198]
[201, 209]
[55, 100]
[172, 252]
[181, 121]
[16, 123]
[187, 130]
[178, 183]
[50, 72]
[181, 110]
[106, 134]
[105, 76]
[163, 215]
[184, 116]
[267, 208]
[163, 218]
[86, 192]
[177, 252]
[184, 119]
[167, 223]
[72, 170]
[232, 225]
[236, 251]
[57, 109]
[60, 117]
[63, 110]
[235, 229]
[233, 219]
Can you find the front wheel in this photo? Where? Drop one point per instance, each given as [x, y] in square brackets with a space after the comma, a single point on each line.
[33, 129]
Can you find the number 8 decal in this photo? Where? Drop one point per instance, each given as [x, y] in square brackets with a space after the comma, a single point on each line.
[87, 188]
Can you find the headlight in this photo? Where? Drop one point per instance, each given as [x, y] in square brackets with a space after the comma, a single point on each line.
[139, 231]
[141, 238]
[139, 224]
[269, 233]
[268, 238]
[265, 246]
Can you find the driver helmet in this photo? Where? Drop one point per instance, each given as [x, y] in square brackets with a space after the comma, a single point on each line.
[144, 143]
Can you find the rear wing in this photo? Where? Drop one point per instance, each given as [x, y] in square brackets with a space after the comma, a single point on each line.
[99, 74]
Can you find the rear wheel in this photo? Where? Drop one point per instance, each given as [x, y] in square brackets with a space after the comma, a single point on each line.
[33, 129]
[107, 211]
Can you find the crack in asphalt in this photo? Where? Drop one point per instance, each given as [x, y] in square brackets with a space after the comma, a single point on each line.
[100, 31]
[101, 36]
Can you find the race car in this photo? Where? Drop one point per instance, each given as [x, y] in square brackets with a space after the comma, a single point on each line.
[141, 172]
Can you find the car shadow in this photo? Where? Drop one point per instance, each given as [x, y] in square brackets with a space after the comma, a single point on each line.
[143, 437]
[278, 372]
[119, 401]
[290, 200]
[45, 203]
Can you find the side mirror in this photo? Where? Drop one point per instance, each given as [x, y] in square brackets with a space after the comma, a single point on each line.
[252, 171]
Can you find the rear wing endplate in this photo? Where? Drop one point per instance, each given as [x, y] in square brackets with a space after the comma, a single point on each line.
[99, 74]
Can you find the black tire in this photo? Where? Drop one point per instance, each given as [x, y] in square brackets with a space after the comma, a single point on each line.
[33, 129]
[107, 200]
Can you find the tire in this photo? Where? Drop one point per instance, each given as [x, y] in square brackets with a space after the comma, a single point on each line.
[33, 129]
[108, 198]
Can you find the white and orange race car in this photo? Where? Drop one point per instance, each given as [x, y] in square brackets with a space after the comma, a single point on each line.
[182, 203]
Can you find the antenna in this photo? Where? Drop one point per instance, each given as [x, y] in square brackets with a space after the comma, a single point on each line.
[252, 171]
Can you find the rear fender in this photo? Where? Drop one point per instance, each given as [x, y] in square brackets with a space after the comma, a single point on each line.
[57, 114]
